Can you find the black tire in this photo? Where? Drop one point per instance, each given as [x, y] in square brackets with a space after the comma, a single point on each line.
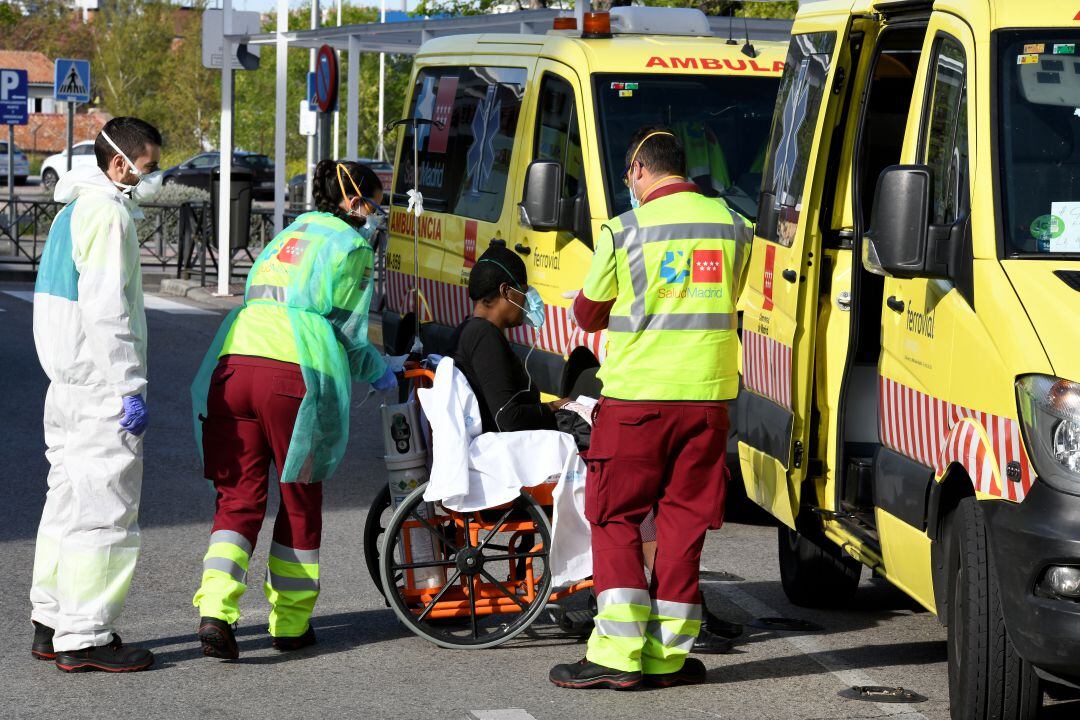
[49, 177]
[378, 518]
[987, 677]
[474, 631]
[813, 571]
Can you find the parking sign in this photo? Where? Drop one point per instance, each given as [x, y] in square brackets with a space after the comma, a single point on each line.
[13, 97]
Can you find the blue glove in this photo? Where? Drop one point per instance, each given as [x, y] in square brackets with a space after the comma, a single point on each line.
[135, 417]
[387, 382]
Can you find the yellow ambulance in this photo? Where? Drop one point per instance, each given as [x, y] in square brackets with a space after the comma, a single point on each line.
[527, 151]
[911, 327]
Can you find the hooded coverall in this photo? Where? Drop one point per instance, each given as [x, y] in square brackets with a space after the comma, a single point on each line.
[661, 282]
[90, 334]
[279, 393]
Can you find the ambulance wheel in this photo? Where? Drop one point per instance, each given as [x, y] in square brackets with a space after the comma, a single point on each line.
[813, 571]
[492, 561]
[374, 529]
[987, 677]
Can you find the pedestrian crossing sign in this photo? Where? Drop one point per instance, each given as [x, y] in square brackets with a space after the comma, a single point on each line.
[72, 80]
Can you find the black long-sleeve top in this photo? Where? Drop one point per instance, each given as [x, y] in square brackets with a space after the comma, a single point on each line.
[497, 377]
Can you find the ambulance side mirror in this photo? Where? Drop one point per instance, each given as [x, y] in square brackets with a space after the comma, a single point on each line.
[897, 244]
[540, 206]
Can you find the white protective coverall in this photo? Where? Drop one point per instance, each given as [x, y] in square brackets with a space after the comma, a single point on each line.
[90, 333]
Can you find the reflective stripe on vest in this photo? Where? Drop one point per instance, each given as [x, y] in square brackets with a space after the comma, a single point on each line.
[266, 292]
[632, 238]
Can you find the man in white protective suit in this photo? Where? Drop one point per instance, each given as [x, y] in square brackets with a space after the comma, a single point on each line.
[90, 333]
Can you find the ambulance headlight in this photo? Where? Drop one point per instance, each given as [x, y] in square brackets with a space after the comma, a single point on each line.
[1050, 411]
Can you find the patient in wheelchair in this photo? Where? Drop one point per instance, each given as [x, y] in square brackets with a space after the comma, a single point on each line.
[508, 399]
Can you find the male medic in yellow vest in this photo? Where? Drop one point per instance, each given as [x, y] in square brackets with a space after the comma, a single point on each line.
[661, 282]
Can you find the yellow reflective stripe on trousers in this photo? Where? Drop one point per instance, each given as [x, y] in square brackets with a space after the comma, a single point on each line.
[292, 587]
[670, 635]
[632, 238]
[619, 630]
[224, 576]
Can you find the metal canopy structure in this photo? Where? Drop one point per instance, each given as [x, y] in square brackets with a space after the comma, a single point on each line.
[399, 38]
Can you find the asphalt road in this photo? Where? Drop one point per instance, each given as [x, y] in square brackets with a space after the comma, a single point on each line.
[366, 665]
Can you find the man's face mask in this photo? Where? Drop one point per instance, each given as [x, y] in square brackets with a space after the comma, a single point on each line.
[146, 186]
[364, 213]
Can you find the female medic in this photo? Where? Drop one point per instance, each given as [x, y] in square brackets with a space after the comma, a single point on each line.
[275, 388]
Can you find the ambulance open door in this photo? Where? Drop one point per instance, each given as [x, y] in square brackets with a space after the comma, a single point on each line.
[777, 301]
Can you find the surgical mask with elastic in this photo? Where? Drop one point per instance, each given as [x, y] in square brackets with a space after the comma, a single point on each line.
[635, 201]
[146, 187]
[534, 304]
[371, 220]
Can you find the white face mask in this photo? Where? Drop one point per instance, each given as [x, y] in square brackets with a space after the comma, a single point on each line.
[147, 187]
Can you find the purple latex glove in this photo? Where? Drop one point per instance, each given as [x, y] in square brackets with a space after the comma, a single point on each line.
[135, 417]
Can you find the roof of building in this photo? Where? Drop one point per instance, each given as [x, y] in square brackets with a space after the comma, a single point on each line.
[38, 67]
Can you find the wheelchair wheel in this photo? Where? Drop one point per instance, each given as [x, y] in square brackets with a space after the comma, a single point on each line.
[467, 580]
[378, 518]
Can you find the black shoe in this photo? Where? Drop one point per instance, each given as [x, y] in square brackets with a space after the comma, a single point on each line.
[717, 626]
[584, 674]
[709, 643]
[42, 647]
[289, 644]
[691, 673]
[217, 638]
[113, 657]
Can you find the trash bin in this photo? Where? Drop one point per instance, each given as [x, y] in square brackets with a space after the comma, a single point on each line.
[240, 193]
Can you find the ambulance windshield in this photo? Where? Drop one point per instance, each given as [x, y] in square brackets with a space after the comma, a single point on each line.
[722, 120]
[1039, 141]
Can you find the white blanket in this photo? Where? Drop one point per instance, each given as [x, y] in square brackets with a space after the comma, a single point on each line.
[472, 470]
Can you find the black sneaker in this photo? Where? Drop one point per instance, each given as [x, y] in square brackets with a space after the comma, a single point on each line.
[217, 638]
[584, 674]
[718, 626]
[113, 657]
[42, 647]
[691, 673]
[289, 644]
[709, 643]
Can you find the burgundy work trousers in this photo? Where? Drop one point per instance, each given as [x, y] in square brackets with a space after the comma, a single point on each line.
[251, 409]
[663, 455]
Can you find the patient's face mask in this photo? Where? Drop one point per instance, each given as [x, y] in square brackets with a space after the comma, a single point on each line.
[534, 307]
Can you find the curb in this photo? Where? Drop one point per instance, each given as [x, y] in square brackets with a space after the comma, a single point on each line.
[193, 290]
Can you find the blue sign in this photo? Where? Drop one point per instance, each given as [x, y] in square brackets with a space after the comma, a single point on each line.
[71, 82]
[311, 100]
[14, 94]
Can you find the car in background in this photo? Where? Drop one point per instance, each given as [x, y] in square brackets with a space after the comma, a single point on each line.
[55, 166]
[197, 171]
[22, 165]
[383, 169]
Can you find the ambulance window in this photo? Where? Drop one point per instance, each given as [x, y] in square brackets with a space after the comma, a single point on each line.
[1038, 128]
[558, 136]
[465, 164]
[945, 138]
[802, 88]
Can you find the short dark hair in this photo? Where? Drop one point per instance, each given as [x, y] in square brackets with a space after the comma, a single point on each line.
[130, 134]
[326, 190]
[496, 266]
[661, 153]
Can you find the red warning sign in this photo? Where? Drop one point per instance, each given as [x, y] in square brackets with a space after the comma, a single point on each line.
[767, 281]
[444, 108]
[470, 243]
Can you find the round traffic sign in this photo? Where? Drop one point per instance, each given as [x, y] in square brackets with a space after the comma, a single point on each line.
[326, 78]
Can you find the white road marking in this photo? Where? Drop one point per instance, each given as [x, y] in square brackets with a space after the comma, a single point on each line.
[809, 645]
[508, 714]
[151, 302]
[27, 295]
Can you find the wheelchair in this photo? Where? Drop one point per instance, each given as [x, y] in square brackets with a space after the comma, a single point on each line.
[470, 580]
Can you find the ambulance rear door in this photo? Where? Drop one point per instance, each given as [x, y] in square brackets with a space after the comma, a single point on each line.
[781, 281]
